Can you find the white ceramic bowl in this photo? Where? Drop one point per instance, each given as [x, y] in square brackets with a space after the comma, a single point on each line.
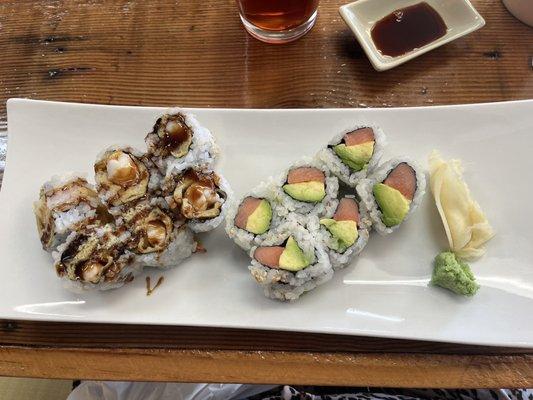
[521, 9]
[460, 17]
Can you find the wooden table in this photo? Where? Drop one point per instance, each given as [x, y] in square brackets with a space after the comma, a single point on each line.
[195, 53]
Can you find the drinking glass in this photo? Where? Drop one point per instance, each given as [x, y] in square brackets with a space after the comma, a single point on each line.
[278, 21]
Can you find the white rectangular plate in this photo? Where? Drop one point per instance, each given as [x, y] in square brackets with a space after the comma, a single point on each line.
[385, 293]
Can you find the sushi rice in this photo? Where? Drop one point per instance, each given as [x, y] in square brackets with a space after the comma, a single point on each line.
[342, 259]
[65, 203]
[286, 285]
[180, 247]
[282, 220]
[340, 169]
[287, 204]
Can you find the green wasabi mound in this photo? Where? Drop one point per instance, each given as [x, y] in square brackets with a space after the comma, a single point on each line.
[293, 258]
[453, 274]
[344, 232]
[259, 221]
[356, 157]
[309, 192]
[394, 206]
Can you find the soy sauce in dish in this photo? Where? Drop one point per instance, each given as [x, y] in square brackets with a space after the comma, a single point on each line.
[407, 29]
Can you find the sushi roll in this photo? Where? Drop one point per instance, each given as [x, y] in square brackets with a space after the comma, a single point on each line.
[354, 153]
[96, 259]
[65, 204]
[256, 219]
[345, 232]
[178, 142]
[143, 211]
[307, 188]
[295, 264]
[156, 239]
[149, 226]
[199, 196]
[122, 175]
[181, 245]
[393, 193]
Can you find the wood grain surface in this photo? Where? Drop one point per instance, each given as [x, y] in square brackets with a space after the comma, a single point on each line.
[195, 53]
[388, 370]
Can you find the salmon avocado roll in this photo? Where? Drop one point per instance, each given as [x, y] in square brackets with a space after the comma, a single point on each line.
[354, 153]
[344, 232]
[393, 193]
[257, 218]
[356, 148]
[343, 225]
[296, 263]
[307, 187]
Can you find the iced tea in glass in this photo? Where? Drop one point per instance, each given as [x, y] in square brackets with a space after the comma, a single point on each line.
[278, 21]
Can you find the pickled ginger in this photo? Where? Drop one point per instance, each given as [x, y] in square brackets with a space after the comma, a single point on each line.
[466, 226]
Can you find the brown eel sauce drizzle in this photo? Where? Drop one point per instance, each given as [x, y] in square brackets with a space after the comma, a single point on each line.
[174, 139]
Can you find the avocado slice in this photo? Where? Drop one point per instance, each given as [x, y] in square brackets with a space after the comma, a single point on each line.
[293, 258]
[394, 206]
[259, 221]
[356, 157]
[454, 274]
[309, 192]
[345, 233]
